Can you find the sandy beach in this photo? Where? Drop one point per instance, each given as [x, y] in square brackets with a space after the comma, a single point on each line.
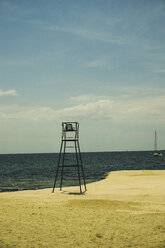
[127, 209]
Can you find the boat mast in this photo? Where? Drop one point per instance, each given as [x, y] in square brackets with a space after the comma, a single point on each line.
[155, 143]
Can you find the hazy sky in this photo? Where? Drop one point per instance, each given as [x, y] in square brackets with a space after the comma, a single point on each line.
[98, 62]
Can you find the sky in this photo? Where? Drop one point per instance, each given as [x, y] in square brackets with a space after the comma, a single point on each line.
[99, 62]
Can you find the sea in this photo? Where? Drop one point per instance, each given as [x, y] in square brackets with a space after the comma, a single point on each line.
[37, 171]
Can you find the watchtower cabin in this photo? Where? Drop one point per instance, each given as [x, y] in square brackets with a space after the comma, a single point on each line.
[70, 155]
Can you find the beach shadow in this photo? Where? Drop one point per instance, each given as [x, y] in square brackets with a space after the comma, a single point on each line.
[73, 193]
[76, 193]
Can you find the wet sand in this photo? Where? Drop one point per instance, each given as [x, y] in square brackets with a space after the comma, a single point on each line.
[127, 209]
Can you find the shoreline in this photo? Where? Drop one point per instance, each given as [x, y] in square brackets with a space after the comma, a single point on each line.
[103, 177]
[24, 189]
[126, 209]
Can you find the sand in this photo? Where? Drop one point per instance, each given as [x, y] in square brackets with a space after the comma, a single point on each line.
[127, 209]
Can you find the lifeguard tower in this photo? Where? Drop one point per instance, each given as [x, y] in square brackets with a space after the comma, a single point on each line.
[70, 155]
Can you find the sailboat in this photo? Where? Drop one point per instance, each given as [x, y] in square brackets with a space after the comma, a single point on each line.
[156, 153]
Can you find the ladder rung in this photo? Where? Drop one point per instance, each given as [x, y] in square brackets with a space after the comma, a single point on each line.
[69, 165]
[70, 140]
[69, 159]
[70, 147]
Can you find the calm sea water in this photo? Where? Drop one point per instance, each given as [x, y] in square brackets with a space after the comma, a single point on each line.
[36, 171]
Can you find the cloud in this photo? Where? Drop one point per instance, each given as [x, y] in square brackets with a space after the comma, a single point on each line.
[92, 110]
[160, 71]
[86, 98]
[8, 93]
[90, 34]
[115, 109]
[96, 63]
[15, 62]
[81, 111]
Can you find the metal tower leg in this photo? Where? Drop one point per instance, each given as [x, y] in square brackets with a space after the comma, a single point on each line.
[78, 164]
[82, 169]
[59, 159]
[63, 161]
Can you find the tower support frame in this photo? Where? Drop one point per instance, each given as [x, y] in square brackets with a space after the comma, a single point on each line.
[70, 142]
